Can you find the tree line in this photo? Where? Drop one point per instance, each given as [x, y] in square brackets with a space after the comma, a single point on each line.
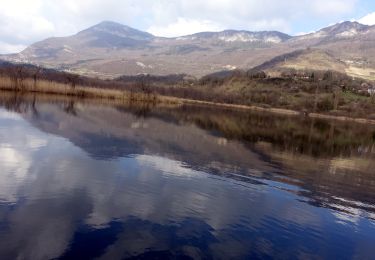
[304, 90]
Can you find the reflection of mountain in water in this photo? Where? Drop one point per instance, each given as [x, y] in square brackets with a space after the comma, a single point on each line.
[126, 188]
[331, 161]
[317, 138]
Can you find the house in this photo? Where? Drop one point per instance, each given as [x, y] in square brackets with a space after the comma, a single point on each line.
[367, 88]
[371, 90]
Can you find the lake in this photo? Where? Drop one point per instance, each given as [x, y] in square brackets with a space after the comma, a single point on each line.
[88, 179]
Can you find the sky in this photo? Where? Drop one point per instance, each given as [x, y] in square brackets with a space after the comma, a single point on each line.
[23, 22]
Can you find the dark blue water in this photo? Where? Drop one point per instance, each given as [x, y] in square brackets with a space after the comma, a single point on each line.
[83, 181]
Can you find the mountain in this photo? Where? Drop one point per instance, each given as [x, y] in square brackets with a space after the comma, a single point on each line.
[345, 30]
[351, 43]
[113, 35]
[111, 49]
[106, 35]
[307, 59]
[239, 36]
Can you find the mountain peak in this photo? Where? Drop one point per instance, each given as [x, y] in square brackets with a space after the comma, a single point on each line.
[109, 25]
[340, 30]
[106, 28]
[345, 27]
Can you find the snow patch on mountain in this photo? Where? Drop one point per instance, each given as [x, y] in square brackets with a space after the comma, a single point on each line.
[229, 67]
[246, 37]
[67, 49]
[140, 64]
[272, 39]
[349, 33]
[239, 37]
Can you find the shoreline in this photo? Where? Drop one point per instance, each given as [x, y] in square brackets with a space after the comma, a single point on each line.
[282, 111]
[82, 93]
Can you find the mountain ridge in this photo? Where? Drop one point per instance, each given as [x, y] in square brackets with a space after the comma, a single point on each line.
[110, 49]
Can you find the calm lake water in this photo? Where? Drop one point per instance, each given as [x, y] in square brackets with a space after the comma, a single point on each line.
[82, 180]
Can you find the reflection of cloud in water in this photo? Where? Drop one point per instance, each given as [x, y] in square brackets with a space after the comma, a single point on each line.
[168, 166]
[14, 168]
[19, 168]
[9, 115]
[157, 200]
[70, 186]
[15, 162]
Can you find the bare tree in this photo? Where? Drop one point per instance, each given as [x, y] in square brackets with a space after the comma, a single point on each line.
[20, 76]
[33, 107]
[316, 98]
[336, 97]
[69, 108]
[13, 72]
[35, 76]
[72, 80]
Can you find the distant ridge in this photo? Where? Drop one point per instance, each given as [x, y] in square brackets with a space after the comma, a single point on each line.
[306, 59]
[110, 49]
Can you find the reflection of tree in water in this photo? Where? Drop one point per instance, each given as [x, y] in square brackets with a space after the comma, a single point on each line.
[69, 108]
[17, 103]
[140, 110]
[315, 137]
[33, 107]
[304, 148]
[300, 135]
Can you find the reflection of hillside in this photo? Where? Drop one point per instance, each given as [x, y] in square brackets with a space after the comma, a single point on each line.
[331, 162]
[106, 132]
[317, 138]
[329, 182]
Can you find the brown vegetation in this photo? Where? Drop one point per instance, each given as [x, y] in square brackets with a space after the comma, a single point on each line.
[25, 78]
[305, 91]
[309, 92]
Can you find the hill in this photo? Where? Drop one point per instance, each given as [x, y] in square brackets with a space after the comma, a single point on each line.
[110, 50]
[307, 59]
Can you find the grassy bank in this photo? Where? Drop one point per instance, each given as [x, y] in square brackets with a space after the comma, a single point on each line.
[144, 95]
[56, 88]
[282, 111]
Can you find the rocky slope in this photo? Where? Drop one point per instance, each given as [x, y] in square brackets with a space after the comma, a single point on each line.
[110, 49]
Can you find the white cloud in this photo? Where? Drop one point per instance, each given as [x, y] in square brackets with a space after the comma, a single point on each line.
[23, 22]
[184, 27]
[333, 7]
[11, 48]
[368, 19]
